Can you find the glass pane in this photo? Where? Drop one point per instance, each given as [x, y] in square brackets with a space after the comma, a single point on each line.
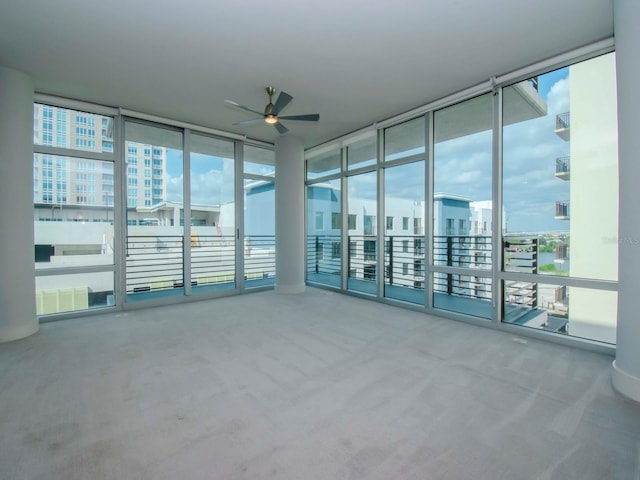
[462, 184]
[324, 163]
[213, 231]
[324, 224]
[362, 231]
[467, 294]
[61, 127]
[259, 233]
[404, 140]
[73, 211]
[578, 312]
[404, 247]
[71, 293]
[155, 213]
[362, 153]
[560, 174]
[260, 161]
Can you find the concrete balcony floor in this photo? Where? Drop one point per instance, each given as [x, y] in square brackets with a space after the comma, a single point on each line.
[316, 386]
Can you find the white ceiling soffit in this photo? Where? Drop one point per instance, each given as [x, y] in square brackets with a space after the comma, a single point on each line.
[354, 62]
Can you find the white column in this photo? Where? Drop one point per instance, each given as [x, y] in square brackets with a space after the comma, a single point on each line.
[626, 367]
[289, 215]
[17, 275]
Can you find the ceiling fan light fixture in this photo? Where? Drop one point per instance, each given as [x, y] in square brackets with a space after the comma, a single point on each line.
[271, 119]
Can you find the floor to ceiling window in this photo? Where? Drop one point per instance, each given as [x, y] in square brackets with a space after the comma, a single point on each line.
[560, 202]
[362, 231]
[73, 195]
[462, 207]
[404, 211]
[520, 223]
[212, 236]
[324, 218]
[155, 211]
[259, 216]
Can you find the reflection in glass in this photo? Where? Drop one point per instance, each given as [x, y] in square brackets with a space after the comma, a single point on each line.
[362, 249]
[404, 251]
[324, 248]
[65, 128]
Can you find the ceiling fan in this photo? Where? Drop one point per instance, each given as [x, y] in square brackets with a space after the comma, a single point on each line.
[271, 112]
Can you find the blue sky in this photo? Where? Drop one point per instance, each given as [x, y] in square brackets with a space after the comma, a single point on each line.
[462, 166]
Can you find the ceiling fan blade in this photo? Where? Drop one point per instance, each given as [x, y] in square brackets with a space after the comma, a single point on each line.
[283, 100]
[313, 117]
[242, 107]
[281, 128]
[252, 121]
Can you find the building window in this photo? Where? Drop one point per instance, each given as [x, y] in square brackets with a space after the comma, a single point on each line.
[336, 220]
[369, 249]
[319, 220]
[351, 221]
[389, 223]
[405, 223]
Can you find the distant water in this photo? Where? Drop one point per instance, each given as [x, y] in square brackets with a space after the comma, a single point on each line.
[549, 257]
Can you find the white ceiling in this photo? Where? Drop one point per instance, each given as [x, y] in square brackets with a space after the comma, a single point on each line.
[354, 62]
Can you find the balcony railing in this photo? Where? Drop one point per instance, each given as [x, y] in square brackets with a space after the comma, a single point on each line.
[562, 211]
[324, 254]
[562, 120]
[259, 259]
[154, 263]
[562, 167]
[563, 129]
[466, 251]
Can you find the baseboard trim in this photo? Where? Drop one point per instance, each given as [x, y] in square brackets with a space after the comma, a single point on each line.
[626, 384]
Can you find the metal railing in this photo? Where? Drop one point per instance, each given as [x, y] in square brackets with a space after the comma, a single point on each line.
[324, 254]
[404, 260]
[362, 257]
[259, 257]
[153, 263]
[466, 251]
[562, 210]
[521, 255]
[213, 259]
[562, 164]
[563, 121]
